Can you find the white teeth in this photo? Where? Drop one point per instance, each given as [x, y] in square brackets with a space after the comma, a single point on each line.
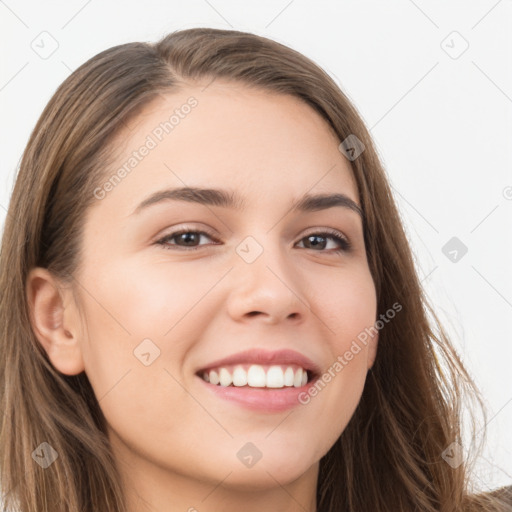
[275, 377]
[256, 377]
[297, 381]
[288, 376]
[239, 377]
[214, 377]
[225, 377]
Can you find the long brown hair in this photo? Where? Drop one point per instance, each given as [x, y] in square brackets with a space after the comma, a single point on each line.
[390, 456]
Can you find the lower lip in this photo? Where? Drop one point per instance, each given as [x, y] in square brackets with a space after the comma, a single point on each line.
[259, 399]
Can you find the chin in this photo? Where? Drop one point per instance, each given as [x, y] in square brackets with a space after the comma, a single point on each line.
[264, 476]
[274, 467]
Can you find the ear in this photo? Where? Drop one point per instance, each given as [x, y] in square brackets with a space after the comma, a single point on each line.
[372, 350]
[54, 320]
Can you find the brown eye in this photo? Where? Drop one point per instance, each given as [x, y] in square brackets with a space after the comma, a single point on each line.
[318, 241]
[185, 239]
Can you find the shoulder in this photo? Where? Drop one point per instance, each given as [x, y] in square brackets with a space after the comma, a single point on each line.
[504, 494]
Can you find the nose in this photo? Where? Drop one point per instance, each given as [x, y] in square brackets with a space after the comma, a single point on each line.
[267, 288]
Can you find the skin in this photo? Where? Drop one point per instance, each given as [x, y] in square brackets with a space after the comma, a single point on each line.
[175, 443]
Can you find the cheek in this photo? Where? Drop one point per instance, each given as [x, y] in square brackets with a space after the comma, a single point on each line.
[132, 310]
[137, 301]
[348, 308]
[156, 295]
[127, 319]
[347, 305]
[354, 335]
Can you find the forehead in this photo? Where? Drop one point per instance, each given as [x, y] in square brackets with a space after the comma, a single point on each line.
[266, 145]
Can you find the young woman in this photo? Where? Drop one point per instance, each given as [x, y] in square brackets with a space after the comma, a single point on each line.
[209, 302]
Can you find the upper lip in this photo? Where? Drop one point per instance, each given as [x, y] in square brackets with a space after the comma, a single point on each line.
[260, 356]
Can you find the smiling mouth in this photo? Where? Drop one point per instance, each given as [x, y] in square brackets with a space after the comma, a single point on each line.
[274, 376]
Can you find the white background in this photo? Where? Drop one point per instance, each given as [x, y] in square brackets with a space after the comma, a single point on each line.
[441, 120]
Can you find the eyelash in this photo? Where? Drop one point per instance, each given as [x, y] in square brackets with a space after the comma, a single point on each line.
[346, 246]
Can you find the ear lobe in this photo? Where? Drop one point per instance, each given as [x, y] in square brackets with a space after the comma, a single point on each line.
[49, 313]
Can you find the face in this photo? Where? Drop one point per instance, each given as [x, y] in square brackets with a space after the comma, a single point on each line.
[159, 310]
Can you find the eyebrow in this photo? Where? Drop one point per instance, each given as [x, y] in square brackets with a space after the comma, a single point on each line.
[228, 199]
